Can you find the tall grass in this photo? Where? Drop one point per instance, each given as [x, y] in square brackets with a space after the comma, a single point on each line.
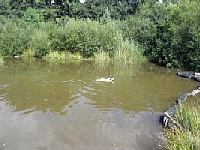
[129, 51]
[1, 60]
[187, 138]
[62, 56]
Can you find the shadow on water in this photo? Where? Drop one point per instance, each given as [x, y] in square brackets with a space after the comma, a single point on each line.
[61, 106]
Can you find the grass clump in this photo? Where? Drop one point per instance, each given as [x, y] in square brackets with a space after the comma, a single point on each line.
[129, 51]
[101, 55]
[55, 55]
[1, 60]
[187, 138]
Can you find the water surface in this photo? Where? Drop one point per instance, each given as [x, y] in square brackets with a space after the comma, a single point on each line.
[61, 105]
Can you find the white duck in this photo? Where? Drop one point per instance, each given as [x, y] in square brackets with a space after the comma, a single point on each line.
[105, 79]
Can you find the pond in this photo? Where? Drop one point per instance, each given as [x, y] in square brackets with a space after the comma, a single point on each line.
[48, 106]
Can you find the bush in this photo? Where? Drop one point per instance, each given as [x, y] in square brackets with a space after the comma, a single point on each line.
[169, 33]
[32, 17]
[14, 40]
[86, 37]
[40, 43]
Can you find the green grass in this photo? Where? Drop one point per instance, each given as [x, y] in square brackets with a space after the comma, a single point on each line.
[57, 56]
[187, 138]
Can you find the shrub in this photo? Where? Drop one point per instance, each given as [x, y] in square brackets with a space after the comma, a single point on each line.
[169, 33]
[86, 37]
[32, 17]
[40, 43]
[14, 40]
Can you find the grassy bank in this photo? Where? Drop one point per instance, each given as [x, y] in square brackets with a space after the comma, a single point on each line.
[188, 117]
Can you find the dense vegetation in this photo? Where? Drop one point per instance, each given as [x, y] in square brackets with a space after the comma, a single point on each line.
[187, 137]
[168, 32]
[85, 38]
[45, 29]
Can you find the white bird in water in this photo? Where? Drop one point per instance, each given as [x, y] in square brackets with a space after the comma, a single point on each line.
[105, 79]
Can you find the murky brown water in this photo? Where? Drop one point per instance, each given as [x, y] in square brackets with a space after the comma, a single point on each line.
[60, 106]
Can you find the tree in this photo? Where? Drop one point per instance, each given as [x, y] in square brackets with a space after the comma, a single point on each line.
[5, 7]
[31, 16]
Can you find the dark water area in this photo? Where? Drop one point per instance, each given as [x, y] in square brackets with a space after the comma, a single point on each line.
[55, 106]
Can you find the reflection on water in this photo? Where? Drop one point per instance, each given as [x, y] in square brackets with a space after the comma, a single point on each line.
[84, 127]
[61, 106]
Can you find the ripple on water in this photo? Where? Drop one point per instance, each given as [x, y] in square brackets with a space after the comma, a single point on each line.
[61, 106]
[83, 127]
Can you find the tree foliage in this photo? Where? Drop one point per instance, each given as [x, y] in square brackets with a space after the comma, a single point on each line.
[170, 33]
[93, 9]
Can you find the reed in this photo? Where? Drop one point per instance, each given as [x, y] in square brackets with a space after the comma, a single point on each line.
[57, 56]
[129, 51]
[1, 60]
[101, 55]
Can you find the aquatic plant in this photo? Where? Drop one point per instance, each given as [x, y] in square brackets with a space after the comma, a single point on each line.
[55, 55]
[129, 51]
[28, 53]
[101, 55]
